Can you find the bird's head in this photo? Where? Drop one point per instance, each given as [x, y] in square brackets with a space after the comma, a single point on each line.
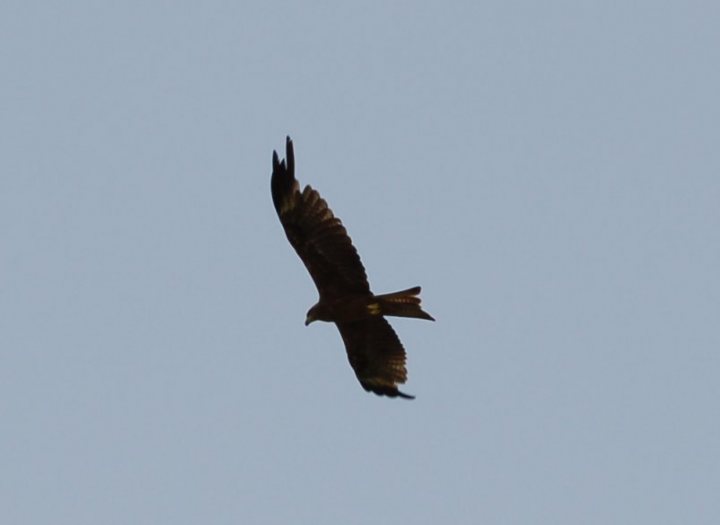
[311, 316]
[315, 314]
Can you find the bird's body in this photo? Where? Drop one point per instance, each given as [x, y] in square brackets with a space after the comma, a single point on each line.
[322, 243]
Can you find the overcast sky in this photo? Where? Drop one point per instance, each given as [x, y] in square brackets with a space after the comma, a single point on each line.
[549, 172]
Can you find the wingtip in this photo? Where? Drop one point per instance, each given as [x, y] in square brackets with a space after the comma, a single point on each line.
[288, 163]
[290, 155]
[283, 180]
[386, 391]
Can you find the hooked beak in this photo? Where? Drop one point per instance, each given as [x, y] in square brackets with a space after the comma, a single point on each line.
[308, 320]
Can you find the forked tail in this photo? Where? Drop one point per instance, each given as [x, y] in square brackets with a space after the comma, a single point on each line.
[405, 303]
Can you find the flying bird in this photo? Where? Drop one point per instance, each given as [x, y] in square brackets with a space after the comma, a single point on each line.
[375, 353]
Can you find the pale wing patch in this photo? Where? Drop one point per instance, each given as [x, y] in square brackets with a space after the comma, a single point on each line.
[374, 309]
[290, 202]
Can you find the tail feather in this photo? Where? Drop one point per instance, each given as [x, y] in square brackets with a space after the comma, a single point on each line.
[405, 303]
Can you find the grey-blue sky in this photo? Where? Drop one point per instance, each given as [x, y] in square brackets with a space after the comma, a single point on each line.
[547, 171]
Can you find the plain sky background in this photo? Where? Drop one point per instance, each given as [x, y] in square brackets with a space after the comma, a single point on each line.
[549, 172]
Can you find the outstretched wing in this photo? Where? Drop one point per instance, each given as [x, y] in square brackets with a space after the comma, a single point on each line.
[319, 238]
[376, 354]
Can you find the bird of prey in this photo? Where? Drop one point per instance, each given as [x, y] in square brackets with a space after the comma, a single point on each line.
[375, 353]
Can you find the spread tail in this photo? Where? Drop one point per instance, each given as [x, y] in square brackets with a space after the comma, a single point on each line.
[405, 303]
